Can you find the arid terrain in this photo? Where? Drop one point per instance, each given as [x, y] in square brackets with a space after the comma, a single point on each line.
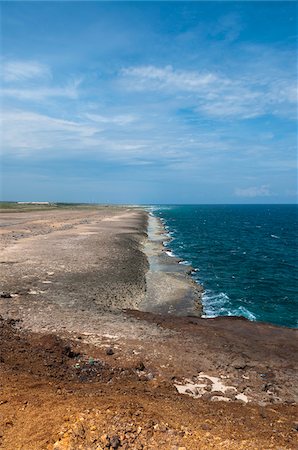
[85, 363]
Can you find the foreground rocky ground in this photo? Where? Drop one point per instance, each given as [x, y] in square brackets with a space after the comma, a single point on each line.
[82, 368]
[58, 394]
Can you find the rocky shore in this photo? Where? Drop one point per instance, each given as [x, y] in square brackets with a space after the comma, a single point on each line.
[95, 354]
[169, 287]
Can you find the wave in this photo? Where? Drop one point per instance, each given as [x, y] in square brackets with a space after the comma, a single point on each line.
[233, 255]
[215, 305]
[185, 263]
[244, 312]
[170, 253]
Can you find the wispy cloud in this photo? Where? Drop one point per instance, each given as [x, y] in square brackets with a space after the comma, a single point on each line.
[18, 71]
[252, 192]
[110, 136]
[27, 132]
[215, 94]
[40, 92]
[29, 135]
[121, 119]
[151, 77]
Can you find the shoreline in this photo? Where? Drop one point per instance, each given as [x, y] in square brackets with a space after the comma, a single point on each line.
[170, 288]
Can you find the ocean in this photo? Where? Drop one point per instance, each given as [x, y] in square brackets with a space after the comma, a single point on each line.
[245, 257]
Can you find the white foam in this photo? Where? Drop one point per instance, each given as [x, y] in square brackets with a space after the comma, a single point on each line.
[242, 311]
[185, 263]
[214, 304]
[170, 253]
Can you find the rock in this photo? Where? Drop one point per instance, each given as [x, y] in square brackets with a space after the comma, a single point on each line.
[115, 441]
[105, 439]
[205, 427]
[140, 366]
[5, 295]
[143, 377]
[67, 351]
[13, 321]
[239, 363]
[189, 392]
[207, 396]
[110, 351]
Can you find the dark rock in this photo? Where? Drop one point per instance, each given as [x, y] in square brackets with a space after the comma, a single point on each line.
[205, 427]
[140, 366]
[5, 295]
[217, 394]
[70, 353]
[239, 363]
[189, 391]
[207, 396]
[115, 441]
[110, 351]
[143, 377]
[13, 321]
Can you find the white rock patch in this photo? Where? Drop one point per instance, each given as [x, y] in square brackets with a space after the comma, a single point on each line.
[206, 384]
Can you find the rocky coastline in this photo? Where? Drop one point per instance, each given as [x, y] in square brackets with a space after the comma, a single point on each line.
[95, 352]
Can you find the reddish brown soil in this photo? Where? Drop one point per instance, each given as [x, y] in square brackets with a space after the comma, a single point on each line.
[49, 400]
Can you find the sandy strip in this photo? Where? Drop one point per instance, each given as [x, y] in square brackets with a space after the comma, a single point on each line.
[170, 288]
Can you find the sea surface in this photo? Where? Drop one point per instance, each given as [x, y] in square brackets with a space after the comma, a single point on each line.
[245, 256]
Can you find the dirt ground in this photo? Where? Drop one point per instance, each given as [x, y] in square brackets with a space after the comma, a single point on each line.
[55, 395]
[82, 368]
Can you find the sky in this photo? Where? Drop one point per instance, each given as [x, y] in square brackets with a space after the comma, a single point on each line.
[149, 102]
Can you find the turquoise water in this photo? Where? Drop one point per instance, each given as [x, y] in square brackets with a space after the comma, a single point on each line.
[245, 256]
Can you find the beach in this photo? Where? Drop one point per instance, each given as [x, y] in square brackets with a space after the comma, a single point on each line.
[103, 344]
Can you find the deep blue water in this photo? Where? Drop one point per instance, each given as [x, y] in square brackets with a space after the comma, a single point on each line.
[245, 257]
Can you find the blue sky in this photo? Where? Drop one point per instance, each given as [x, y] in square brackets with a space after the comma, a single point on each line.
[149, 102]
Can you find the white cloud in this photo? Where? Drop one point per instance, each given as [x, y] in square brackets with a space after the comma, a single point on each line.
[32, 81]
[37, 93]
[121, 119]
[217, 95]
[252, 192]
[167, 77]
[15, 71]
[27, 132]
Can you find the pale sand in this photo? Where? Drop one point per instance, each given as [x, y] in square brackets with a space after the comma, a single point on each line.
[170, 289]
